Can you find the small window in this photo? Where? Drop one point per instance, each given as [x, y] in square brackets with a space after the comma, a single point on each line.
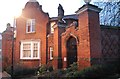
[52, 27]
[51, 53]
[30, 27]
[30, 50]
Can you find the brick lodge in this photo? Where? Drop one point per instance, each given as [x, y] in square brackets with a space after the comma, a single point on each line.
[60, 41]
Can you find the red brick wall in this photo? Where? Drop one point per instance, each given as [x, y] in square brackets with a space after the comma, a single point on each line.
[71, 31]
[90, 36]
[88, 39]
[87, 35]
[95, 37]
[50, 42]
[7, 48]
[57, 46]
[41, 19]
[110, 43]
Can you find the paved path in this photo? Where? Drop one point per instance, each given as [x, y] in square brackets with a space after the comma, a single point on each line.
[4, 75]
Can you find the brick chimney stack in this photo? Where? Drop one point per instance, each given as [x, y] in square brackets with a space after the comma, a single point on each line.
[7, 46]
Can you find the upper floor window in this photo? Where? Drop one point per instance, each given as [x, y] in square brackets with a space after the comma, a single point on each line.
[30, 50]
[30, 27]
[52, 27]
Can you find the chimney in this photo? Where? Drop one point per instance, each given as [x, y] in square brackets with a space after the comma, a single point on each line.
[60, 13]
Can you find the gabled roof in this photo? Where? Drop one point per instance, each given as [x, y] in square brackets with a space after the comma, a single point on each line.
[73, 16]
[32, 1]
[32, 4]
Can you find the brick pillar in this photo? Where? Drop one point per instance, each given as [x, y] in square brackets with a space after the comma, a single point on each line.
[7, 46]
[89, 51]
[57, 60]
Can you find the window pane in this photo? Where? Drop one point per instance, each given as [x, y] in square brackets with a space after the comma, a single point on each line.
[28, 30]
[51, 27]
[28, 25]
[26, 53]
[35, 53]
[35, 50]
[33, 25]
[27, 50]
[30, 50]
[35, 46]
[26, 46]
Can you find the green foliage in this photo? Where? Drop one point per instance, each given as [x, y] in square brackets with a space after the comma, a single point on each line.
[47, 71]
[73, 67]
[114, 66]
[93, 72]
[20, 71]
[50, 68]
[96, 71]
[56, 74]
[44, 69]
[71, 70]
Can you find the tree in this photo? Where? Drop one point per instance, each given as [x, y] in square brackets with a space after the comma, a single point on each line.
[110, 14]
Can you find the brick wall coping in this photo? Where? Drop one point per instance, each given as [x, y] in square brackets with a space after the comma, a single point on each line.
[109, 27]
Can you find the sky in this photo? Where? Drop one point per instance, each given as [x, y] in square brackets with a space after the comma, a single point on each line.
[13, 8]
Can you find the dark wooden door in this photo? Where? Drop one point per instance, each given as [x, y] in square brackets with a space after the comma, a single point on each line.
[71, 51]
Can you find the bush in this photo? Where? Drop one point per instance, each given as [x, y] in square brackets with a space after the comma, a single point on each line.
[44, 69]
[20, 71]
[71, 70]
[73, 67]
[96, 71]
[50, 68]
[114, 66]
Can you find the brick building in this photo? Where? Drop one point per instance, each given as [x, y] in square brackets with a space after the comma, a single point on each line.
[59, 40]
[0, 49]
[0, 44]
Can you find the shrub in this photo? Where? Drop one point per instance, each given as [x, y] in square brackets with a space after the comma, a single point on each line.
[44, 69]
[73, 67]
[96, 71]
[50, 68]
[71, 70]
[20, 71]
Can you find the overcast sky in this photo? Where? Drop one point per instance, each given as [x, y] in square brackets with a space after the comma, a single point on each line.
[11, 8]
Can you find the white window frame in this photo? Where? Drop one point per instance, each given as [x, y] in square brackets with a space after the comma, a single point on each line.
[52, 27]
[51, 53]
[32, 25]
[32, 45]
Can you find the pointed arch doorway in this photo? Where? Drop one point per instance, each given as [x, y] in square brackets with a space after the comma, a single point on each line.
[71, 47]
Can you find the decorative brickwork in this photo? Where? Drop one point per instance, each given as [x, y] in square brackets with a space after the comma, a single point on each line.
[110, 43]
[72, 38]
